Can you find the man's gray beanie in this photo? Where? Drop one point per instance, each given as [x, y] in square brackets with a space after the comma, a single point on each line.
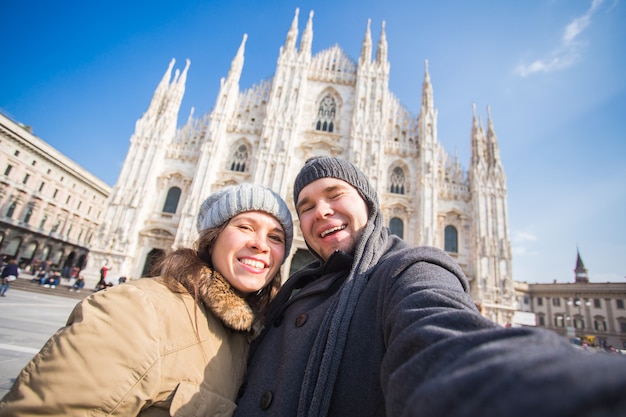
[329, 167]
[232, 200]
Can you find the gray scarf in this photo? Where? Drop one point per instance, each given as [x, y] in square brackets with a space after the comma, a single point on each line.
[323, 364]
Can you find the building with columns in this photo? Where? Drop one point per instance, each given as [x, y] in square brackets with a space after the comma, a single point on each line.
[50, 207]
[315, 104]
[594, 312]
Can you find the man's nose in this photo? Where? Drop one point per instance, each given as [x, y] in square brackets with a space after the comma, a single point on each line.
[323, 209]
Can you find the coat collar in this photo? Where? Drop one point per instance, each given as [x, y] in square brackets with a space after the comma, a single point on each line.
[224, 301]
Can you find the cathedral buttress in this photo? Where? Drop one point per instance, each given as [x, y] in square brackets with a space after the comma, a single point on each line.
[492, 246]
[134, 196]
[429, 160]
[215, 149]
[371, 103]
[279, 136]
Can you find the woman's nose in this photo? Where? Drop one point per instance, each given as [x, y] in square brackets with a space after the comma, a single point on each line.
[259, 242]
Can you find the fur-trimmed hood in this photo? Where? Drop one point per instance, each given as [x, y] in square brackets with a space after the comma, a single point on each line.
[224, 301]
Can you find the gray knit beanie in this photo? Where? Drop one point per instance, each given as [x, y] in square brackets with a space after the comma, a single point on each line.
[330, 167]
[230, 201]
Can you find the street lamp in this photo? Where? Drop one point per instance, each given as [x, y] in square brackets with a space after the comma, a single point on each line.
[579, 322]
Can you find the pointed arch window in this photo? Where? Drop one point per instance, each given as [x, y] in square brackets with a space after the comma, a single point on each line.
[326, 114]
[398, 181]
[239, 159]
[451, 239]
[396, 227]
[171, 201]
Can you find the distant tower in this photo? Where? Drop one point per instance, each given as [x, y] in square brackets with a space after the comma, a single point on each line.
[580, 272]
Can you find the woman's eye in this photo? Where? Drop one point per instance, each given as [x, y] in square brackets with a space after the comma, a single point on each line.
[277, 238]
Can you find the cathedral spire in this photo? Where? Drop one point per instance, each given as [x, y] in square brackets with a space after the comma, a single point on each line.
[229, 86]
[381, 52]
[492, 141]
[161, 91]
[366, 48]
[290, 42]
[234, 73]
[177, 89]
[307, 36]
[478, 145]
[427, 91]
[580, 271]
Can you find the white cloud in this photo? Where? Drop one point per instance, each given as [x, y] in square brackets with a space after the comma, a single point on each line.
[578, 25]
[566, 53]
[518, 250]
[518, 241]
[521, 236]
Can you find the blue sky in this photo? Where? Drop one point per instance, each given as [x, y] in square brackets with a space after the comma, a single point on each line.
[552, 71]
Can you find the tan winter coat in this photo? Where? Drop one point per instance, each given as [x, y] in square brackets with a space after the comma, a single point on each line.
[138, 349]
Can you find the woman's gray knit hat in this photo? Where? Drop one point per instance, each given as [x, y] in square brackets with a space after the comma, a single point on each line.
[232, 200]
[329, 167]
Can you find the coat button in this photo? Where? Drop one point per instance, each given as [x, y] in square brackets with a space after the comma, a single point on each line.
[266, 400]
[301, 319]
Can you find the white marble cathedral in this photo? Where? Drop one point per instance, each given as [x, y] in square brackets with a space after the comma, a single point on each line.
[322, 104]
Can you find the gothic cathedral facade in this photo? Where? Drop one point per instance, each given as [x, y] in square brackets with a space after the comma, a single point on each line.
[322, 104]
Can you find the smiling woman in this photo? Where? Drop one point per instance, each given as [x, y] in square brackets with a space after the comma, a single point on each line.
[249, 250]
[175, 344]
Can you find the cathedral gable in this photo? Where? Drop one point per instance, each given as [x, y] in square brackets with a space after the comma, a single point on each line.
[333, 65]
[403, 128]
[251, 108]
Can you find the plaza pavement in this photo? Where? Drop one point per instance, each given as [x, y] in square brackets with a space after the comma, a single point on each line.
[29, 318]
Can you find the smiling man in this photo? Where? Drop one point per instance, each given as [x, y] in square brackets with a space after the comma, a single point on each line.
[332, 216]
[376, 327]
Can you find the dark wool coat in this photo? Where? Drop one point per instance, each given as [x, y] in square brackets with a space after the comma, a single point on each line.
[417, 346]
[10, 269]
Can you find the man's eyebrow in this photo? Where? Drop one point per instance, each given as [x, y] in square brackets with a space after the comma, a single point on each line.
[301, 203]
